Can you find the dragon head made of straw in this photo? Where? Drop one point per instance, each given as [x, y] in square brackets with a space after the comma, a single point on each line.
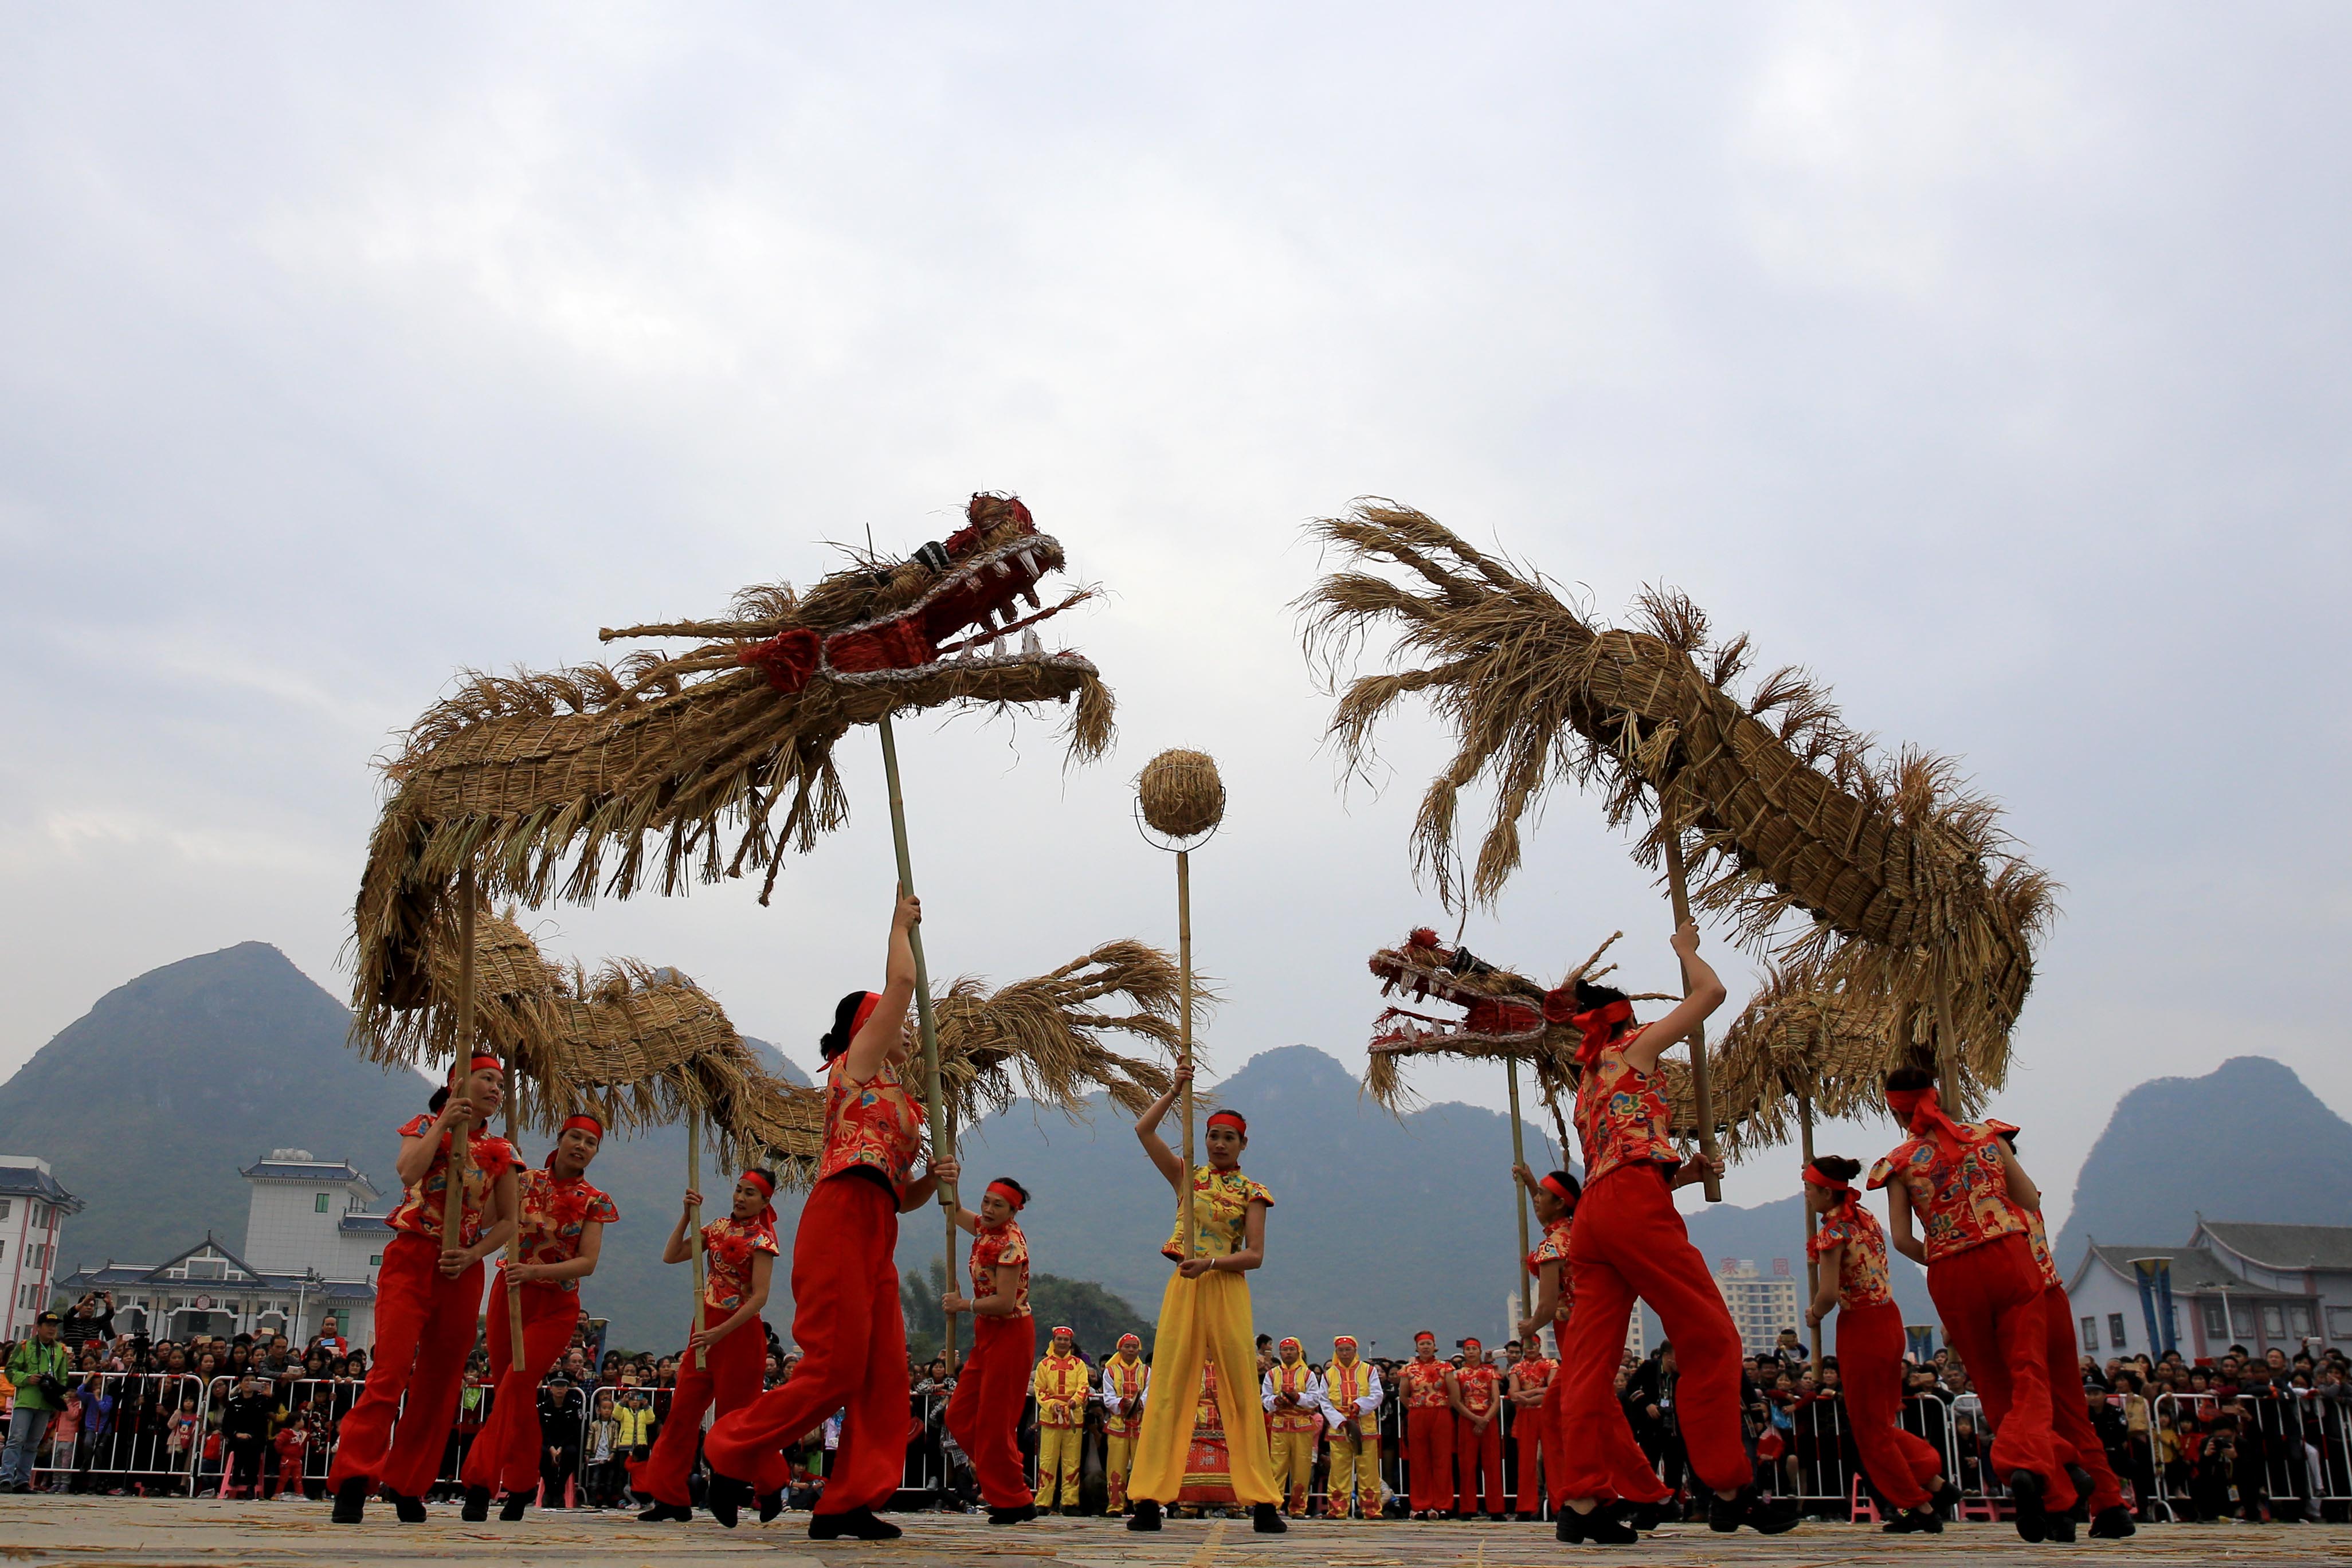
[1816, 843]
[712, 763]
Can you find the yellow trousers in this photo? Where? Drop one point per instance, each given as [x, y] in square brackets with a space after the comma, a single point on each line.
[1204, 1319]
[1294, 1469]
[1058, 1448]
[1355, 1468]
[1119, 1458]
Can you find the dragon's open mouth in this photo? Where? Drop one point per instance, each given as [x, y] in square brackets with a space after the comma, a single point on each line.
[983, 589]
[1494, 1011]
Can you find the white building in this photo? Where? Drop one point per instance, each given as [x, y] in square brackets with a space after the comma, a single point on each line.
[311, 1248]
[2234, 1284]
[1761, 1304]
[33, 1208]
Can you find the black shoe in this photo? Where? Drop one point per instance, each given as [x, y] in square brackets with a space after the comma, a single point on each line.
[2060, 1528]
[2025, 1495]
[2081, 1480]
[666, 1512]
[771, 1504]
[1916, 1522]
[407, 1509]
[351, 1503]
[511, 1508]
[478, 1505]
[2114, 1525]
[723, 1500]
[1725, 1514]
[1645, 1516]
[1146, 1515]
[857, 1523]
[1599, 1528]
[1947, 1501]
[1020, 1515]
[1266, 1520]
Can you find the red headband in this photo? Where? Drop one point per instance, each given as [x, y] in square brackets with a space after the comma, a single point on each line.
[1126, 1340]
[1062, 1329]
[1558, 1189]
[1231, 1119]
[865, 1011]
[1822, 1178]
[585, 1124]
[1290, 1344]
[1010, 1194]
[1346, 1339]
[1596, 1026]
[1922, 1111]
[1424, 1338]
[1472, 1346]
[487, 1064]
[766, 1218]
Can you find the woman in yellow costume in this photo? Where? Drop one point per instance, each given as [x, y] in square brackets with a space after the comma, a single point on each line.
[1204, 1318]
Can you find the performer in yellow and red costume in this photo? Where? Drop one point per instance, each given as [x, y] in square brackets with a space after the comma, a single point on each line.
[1966, 1190]
[1126, 1382]
[563, 1220]
[1351, 1410]
[1062, 1385]
[1630, 1244]
[983, 1415]
[1292, 1397]
[847, 1316]
[1204, 1318]
[428, 1299]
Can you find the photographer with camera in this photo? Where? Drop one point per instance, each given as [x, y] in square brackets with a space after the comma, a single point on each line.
[39, 1367]
[92, 1318]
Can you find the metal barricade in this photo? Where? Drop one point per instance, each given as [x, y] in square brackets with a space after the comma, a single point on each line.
[127, 1436]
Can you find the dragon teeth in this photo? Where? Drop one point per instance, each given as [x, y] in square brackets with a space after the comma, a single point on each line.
[1029, 563]
[1030, 646]
[1030, 594]
[1002, 569]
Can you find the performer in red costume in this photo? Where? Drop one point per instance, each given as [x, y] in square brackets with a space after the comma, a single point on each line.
[739, 1257]
[847, 1316]
[1428, 1392]
[1630, 1242]
[1477, 1433]
[428, 1299]
[1640, 1496]
[1972, 1196]
[2069, 1416]
[1907, 1471]
[563, 1220]
[983, 1414]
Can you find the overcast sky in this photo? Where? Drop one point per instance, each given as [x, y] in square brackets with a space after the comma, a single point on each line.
[1989, 361]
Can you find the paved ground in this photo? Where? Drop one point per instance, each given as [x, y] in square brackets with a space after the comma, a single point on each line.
[92, 1532]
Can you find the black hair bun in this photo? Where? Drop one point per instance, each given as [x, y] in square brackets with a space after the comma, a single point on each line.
[1838, 1166]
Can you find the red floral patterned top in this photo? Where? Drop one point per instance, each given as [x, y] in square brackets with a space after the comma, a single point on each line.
[728, 1244]
[1553, 1247]
[1534, 1372]
[1959, 1203]
[1424, 1384]
[991, 1248]
[1620, 1118]
[2039, 1239]
[1477, 1384]
[555, 1215]
[486, 1158]
[876, 1126]
[1862, 1270]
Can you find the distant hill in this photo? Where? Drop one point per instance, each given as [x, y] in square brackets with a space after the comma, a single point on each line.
[2178, 1146]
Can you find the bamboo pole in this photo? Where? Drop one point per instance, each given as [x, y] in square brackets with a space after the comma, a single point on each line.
[1185, 1220]
[1948, 1045]
[1518, 1160]
[1701, 1091]
[948, 1319]
[514, 1242]
[1813, 1222]
[942, 1140]
[453, 1196]
[694, 1223]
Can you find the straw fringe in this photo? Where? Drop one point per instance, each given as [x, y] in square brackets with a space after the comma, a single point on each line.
[1899, 877]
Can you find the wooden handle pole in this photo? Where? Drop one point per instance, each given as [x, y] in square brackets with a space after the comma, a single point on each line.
[1812, 1220]
[1190, 1245]
[453, 1196]
[935, 1102]
[1701, 1091]
[1520, 1158]
[694, 1225]
[1947, 1047]
[514, 1242]
[948, 1319]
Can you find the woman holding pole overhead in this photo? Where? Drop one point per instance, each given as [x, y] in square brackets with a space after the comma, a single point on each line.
[1850, 1251]
[847, 1316]
[726, 1352]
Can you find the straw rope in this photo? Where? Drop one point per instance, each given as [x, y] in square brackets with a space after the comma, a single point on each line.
[1814, 843]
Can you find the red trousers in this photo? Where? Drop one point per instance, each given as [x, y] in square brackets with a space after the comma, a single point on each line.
[1900, 1463]
[505, 1454]
[1631, 1478]
[424, 1330]
[1527, 1423]
[853, 1338]
[730, 1378]
[984, 1413]
[1429, 1456]
[2069, 1416]
[1989, 1297]
[1629, 1242]
[1475, 1452]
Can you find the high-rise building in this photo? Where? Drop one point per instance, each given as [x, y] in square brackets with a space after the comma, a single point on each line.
[1761, 1304]
[33, 1209]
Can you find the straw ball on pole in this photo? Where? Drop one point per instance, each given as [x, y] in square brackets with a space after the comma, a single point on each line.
[1180, 794]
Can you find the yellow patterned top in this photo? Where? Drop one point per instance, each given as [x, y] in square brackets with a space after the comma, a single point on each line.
[1220, 1201]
